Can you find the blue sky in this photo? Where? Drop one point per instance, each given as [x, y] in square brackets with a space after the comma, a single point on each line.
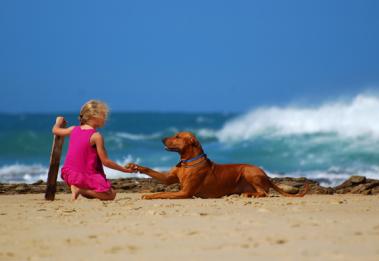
[210, 56]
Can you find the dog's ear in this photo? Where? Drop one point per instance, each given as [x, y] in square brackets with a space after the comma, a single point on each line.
[194, 141]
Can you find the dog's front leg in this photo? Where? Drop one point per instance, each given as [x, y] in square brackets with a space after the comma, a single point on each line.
[189, 187]
[166, 178]
[167, 195]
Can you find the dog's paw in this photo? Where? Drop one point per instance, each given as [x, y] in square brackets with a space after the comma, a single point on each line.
[134, 167]
[146, 196]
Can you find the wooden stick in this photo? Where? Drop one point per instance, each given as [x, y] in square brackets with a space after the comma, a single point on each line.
[55, 158]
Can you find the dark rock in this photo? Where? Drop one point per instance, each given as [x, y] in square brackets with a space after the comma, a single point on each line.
[321, 190]
[357, 179]
[159, 188]
[22, 188]
[314, 186]
[358, 185]
[375, 191]
[342, 191]
[39, 182]
[128, 186]
[351, 182]
[359, 189]
[37, 189]
[366, 192]
[289, 189]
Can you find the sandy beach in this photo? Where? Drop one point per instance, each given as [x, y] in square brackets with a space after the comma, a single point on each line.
[316, 227]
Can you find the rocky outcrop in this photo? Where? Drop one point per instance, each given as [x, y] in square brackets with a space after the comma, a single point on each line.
[354, 185]
[130, 185]
[295, 185]
[358, 185]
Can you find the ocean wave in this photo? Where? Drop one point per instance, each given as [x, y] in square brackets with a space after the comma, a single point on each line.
[115, 174]
[351, 119]
[332, 177]
[16, 173]
[24, 173]
[205, 133]
[137, 137]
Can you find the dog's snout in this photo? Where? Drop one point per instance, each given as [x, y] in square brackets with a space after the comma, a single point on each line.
[164, 140]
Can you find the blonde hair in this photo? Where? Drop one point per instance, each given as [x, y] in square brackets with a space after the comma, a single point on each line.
[93, 109]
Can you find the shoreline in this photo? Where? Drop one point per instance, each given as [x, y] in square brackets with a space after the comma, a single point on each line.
[353, 185]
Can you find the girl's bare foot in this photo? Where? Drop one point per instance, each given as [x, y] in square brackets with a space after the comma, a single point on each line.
[75, 192]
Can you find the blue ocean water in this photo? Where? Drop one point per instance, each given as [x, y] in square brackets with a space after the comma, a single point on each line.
[329, 142]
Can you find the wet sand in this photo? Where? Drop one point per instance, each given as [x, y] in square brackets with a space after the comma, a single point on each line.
[316, 227]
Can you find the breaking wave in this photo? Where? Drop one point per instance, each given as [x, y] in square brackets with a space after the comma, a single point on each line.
[352, 119]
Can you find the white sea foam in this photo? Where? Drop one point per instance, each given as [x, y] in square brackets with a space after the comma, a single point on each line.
[332, 177]
[131, 136]
[114, 174]
[22, 173]
[355, 118]
[206, 133]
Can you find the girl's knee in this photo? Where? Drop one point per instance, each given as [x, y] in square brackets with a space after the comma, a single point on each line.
[113, 194]
[110, 195]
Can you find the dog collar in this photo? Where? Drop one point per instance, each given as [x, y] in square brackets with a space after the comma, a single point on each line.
[193, 159]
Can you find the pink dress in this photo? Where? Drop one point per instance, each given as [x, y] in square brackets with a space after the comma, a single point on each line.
[82, 166]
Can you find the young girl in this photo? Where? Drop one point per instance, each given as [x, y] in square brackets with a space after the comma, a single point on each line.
[83, 167]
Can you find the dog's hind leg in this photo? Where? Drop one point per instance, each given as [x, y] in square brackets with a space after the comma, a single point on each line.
[251, 191]
[258, 180]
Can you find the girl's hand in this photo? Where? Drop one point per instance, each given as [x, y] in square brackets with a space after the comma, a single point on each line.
[97, 139]
[128, 170]
[133, 167]
[60, 120]
[59, 130]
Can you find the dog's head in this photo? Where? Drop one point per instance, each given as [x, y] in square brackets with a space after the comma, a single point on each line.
[185, 143]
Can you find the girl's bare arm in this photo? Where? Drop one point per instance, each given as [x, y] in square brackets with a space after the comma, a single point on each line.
[57, 130]
[97, 139]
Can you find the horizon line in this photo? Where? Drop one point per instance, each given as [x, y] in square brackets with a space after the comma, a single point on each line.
[121, 111]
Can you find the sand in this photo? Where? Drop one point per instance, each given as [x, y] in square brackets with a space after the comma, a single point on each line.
[316, 227]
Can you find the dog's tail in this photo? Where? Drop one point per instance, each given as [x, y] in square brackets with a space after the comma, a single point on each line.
[282, 192]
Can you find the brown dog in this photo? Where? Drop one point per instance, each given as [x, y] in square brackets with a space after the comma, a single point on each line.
[200, 177]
